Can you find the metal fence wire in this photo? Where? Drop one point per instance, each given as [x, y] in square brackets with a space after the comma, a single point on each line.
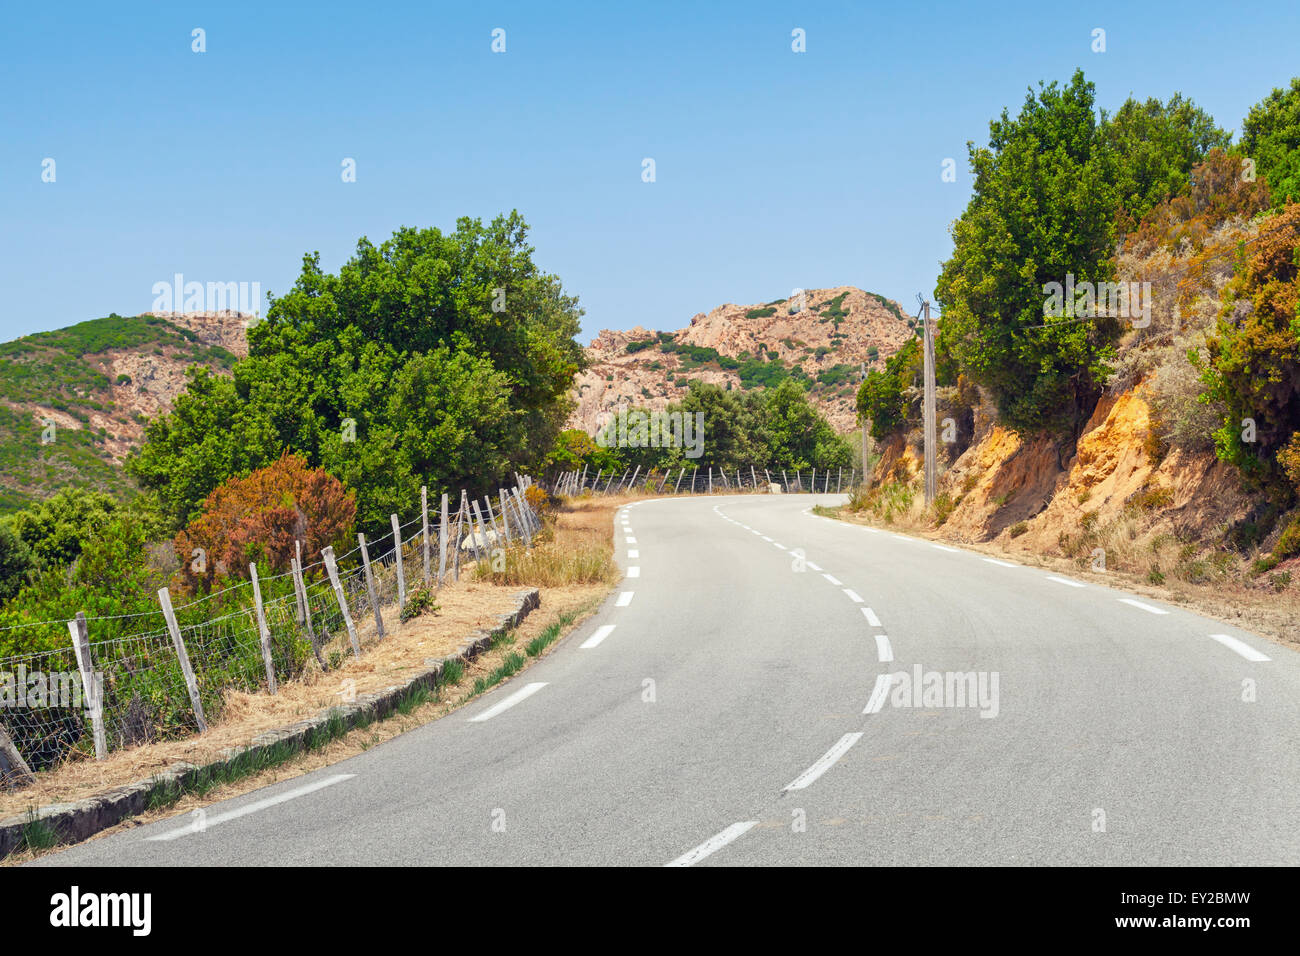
[53, 708]
[707, 480]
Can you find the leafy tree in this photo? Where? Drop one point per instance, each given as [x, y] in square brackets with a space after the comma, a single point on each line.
[1154, 147]
[575, 449]
[433, 358]
[882, 397]
[16, 561]
[111, 577]
[1043, 207]
[796, 435]
[1271, 137]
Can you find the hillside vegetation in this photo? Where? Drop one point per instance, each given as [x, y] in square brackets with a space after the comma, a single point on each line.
[68, 378]
[1163, 442]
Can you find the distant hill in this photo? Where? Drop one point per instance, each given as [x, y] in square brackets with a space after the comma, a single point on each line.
[749, 346]
[97, 382]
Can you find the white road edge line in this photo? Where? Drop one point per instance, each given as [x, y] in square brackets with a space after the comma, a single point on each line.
[1067, 581]
[714, 844]
[624, 599]
[634, 572]
[244, 811]
[884, 651]
[853, 596]
[1004, 564]
[871, 617]
[834, 580]
[602, 632]
[942, 547]
[878, 694]
[633, 553]
[1241, 647]
[824, 762]
[528, 690]
[813, 566]
[1145, 607]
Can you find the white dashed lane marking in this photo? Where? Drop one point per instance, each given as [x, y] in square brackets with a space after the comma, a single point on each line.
[602, 632]
[714, 844]
[824, 762]
[883, 650]
[1144, 607]
[1241, 647]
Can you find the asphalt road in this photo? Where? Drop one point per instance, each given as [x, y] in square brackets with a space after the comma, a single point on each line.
[741, 712]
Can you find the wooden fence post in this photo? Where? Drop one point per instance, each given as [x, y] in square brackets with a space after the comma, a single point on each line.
[505, 520]
[191, 685]
[19, 773]
[442, 542]
[370, 584]
[460, 512]
[264, 632]
[424, 511]
[710, 479]
[839, 479]
[300, 586]
[90, 684]
[812, 484]
[753, 476]
[474, 535]
[521, 505]
[397, 550]
[332, 569]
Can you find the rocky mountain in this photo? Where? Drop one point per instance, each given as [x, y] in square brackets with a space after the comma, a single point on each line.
[821, 337]
[73, 402]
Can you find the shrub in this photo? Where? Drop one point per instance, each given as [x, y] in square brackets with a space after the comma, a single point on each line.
[1255, 354]
[263, 515]
[1017, 529]
[418, 602]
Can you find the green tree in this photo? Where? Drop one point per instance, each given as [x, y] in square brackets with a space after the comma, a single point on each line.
[1043, 208]
[16, 561]
[882, 397]
[796, 435]
[442, 359]
[1271, 137]
[1154, 147]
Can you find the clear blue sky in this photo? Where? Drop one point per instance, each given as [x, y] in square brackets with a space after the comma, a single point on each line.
[774, 169]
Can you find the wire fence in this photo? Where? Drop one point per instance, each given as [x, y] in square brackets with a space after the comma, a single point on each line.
[708, 480]
[174, 675]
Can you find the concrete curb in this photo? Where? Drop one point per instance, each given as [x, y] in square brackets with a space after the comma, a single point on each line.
[77, 821]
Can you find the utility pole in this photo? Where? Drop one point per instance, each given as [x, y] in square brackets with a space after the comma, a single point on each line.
[928, 410]
[864, 433]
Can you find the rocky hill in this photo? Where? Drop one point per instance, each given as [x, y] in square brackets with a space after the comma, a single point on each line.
[823, 339]
[73, 402]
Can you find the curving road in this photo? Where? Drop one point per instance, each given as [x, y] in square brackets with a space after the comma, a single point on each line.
[732, 703]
